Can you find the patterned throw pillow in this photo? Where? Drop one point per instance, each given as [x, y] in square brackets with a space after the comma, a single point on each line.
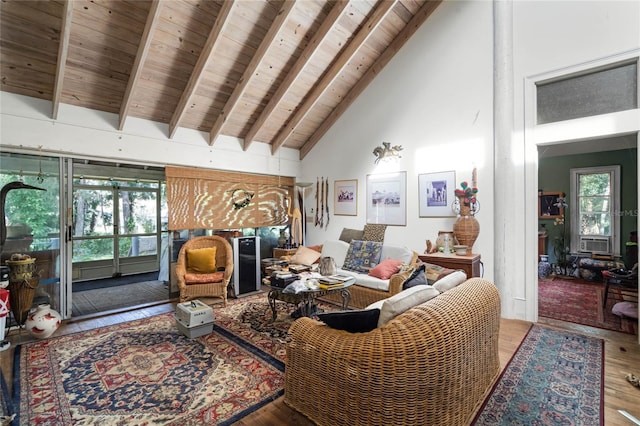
[374, 233]
[435, 272]
[362, 256]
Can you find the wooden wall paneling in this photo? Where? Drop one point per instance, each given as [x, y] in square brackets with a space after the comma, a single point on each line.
[256, 60]
[63, 50]
[206, 55]
[423, 13]
[307, 54]
[372, 22]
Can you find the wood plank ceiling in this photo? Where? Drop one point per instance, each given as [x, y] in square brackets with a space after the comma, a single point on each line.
[279, 72]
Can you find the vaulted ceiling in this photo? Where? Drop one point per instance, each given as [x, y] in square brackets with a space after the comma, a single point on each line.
[279, 72]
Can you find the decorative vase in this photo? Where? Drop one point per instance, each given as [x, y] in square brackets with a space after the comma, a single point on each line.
[544, 267]
[466, 228]
[43, 322]
[441, 240]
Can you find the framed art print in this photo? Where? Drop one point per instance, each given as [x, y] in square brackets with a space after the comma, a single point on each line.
[387, 199]
[345, 197]
[436, 193]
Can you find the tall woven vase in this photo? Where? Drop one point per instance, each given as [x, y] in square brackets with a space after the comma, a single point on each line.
[466, 228]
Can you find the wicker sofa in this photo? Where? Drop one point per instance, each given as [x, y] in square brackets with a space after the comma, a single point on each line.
[368, 290]
[431, 365]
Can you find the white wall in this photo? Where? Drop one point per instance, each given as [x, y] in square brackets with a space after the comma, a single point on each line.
[553, 39]
[25, 123]
[435, 99]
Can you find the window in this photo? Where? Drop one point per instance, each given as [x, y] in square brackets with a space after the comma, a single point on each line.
[595, 200]
[597, 91]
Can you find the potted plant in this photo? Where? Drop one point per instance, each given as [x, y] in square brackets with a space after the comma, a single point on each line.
[562, 242]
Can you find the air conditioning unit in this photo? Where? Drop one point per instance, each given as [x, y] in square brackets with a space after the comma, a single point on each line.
[595, 244]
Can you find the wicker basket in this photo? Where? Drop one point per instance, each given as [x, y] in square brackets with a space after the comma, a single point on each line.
[21, 269]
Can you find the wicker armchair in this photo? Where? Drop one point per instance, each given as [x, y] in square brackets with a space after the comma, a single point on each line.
[432, 365]
[193, 284]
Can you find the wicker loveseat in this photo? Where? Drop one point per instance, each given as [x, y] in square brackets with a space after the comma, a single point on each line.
[431, 365]
[368, 290]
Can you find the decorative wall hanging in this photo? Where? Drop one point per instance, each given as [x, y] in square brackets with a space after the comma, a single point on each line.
[387, 152]
[322, 202]
[435, 194]
[387, 199]
[345, 197]
[548, 207]
[240, 198]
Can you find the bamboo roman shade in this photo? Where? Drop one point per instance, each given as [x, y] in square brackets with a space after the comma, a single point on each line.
[209, 199]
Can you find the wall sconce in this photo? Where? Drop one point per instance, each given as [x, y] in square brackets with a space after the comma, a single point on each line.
[387, 152]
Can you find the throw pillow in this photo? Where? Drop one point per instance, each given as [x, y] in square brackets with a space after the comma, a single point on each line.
[348, 235]
[385, 269]
[417, 277]
[405, 300]
[374, 232]
[450, 281]
[202, 260]
[304, 256]
[436, 272]
[360, 321]
[362, 256]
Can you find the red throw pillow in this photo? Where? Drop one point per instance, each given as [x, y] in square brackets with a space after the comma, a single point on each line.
[385, 269]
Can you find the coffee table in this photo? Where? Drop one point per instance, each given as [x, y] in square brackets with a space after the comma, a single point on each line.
[305, 299]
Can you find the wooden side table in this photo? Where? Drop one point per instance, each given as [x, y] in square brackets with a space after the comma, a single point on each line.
[279, 252]
[469, 263]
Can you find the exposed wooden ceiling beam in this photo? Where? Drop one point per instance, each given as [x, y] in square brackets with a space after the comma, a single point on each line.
[213, 40]
[308, 52]
[418, 19]
[251, 68]
[63, 49]
[136, 70]
[382, 9]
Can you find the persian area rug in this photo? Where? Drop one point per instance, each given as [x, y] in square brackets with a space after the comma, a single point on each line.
[251, 319]
[554, 378]
[143, 372]
[579, 302]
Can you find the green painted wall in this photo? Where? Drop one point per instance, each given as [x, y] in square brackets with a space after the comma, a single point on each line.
[553, 175]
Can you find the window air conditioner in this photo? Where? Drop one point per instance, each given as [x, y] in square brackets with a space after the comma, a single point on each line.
[595, 244]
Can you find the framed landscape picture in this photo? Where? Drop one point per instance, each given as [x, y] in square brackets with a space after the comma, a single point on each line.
[345, 197]
[387, 199]
[436, 193]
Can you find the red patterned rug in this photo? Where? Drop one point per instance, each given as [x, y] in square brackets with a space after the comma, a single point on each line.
[145, 372]
[580, 302]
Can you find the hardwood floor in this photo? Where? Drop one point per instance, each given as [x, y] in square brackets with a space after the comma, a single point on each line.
[622, 356]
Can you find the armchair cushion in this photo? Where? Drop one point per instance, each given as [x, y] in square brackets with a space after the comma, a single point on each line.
[406, 299]
[360, 321]
[202, 260]
[347, 235]
[362, 256]
[436, 272]
[450, 281]
[305, 256]
[197, 278]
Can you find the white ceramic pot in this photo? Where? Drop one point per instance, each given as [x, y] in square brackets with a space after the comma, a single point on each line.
[43, 322]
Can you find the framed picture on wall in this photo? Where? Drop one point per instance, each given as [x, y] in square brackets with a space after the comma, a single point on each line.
[387, 199]
[345, 197]
[547, 205]
[436, 193]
